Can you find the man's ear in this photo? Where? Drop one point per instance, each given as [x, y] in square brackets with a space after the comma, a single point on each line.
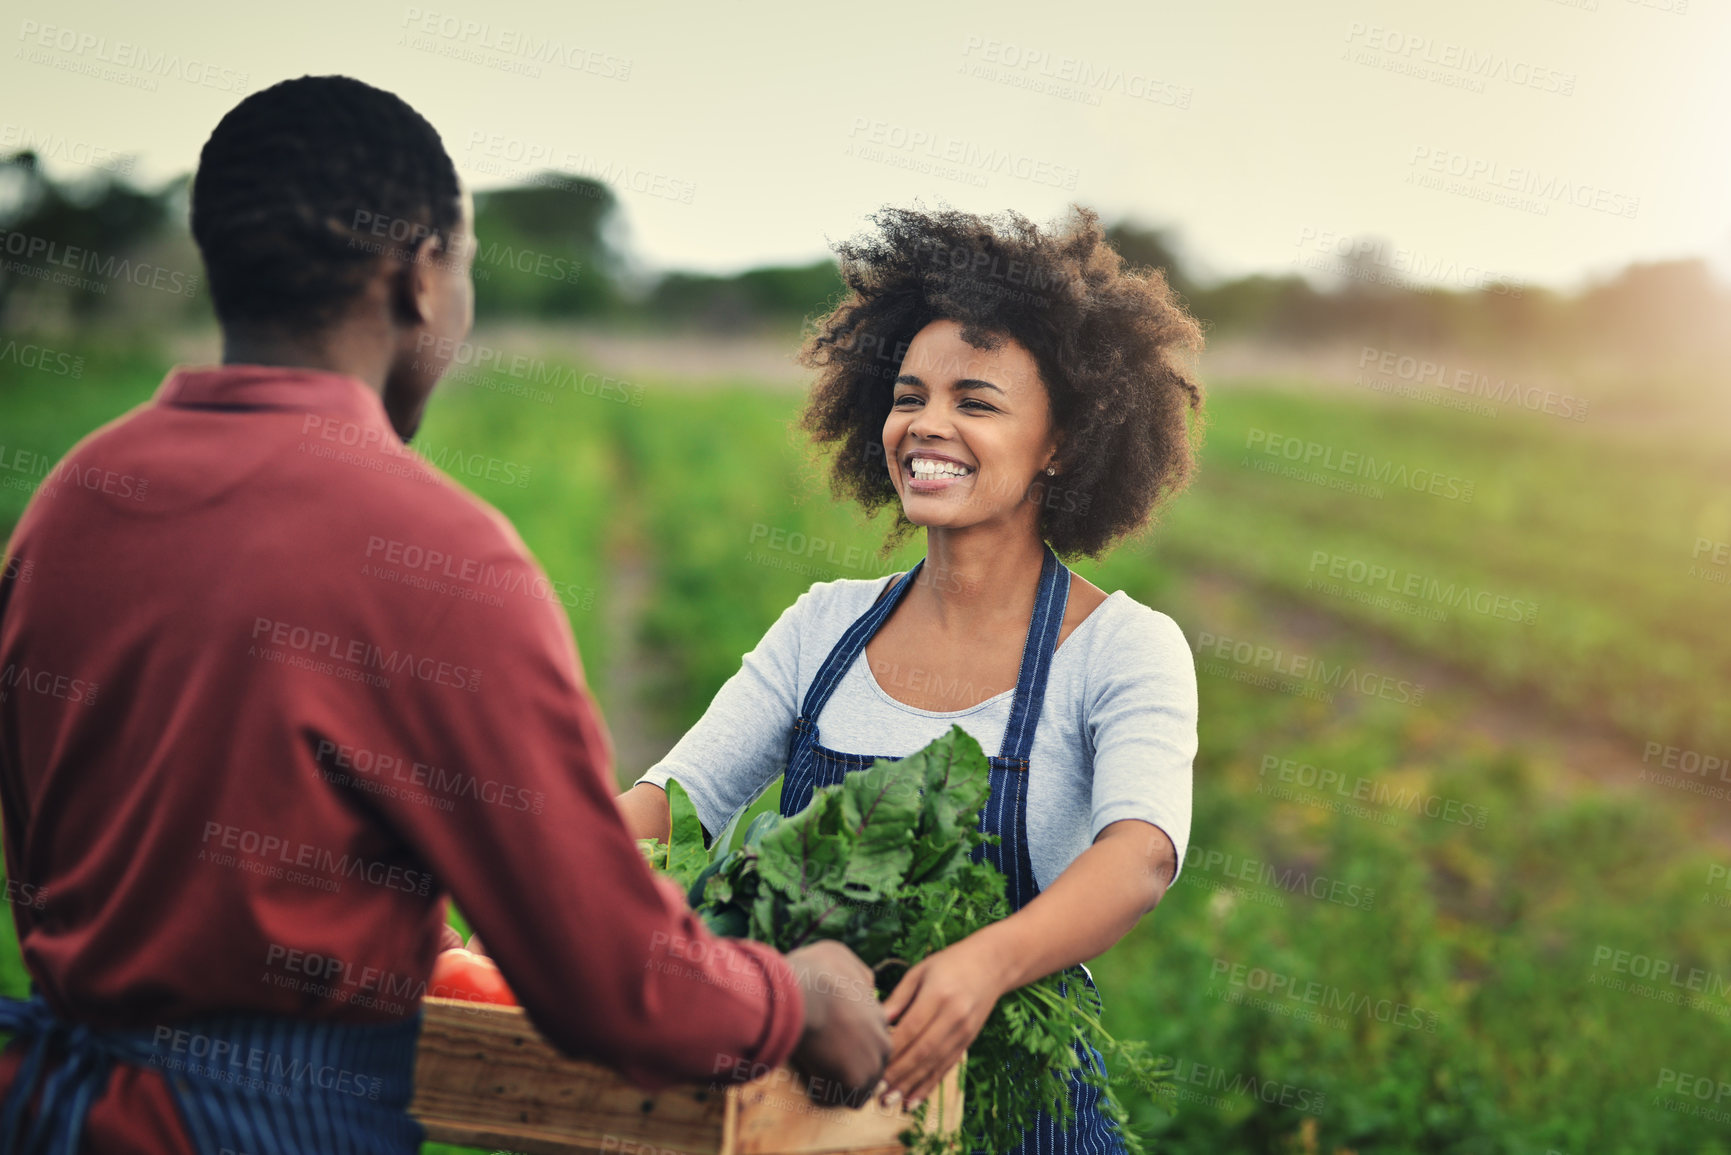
[412, 282]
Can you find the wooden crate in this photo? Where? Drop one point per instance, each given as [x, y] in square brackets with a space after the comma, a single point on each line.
[484, 1077]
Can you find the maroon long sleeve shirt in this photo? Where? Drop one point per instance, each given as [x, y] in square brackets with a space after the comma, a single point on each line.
[270, 688]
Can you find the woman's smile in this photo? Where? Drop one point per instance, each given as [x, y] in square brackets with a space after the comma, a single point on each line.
[927, 472]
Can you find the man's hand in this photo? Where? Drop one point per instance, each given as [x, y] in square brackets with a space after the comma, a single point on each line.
[938, 1009]
[846, 1040]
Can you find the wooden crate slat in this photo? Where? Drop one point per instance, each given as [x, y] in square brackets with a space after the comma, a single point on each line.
[777, 1117]
[485, 1077]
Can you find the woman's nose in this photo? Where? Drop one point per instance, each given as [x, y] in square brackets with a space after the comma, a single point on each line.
[929, 423]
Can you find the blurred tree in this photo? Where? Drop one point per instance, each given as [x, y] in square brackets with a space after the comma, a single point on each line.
[1665, 306]
[1284, 308]
[554, 248]
[547, 249]
[1143, 247]
[103, 217]
[776, 294]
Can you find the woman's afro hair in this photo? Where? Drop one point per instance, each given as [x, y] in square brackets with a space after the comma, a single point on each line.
[1126, 409]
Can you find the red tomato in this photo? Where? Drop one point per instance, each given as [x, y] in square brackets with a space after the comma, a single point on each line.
[461, 974]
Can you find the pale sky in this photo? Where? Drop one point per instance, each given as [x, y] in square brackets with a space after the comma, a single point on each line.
[1541, 141]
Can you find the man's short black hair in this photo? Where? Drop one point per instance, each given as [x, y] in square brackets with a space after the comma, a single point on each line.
[300, 190]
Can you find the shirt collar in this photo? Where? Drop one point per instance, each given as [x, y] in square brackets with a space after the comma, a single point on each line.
[280, 387]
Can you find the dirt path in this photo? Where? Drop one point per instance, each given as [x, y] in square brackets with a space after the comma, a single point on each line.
[639, 741]
[640, 736]
[1586, 753]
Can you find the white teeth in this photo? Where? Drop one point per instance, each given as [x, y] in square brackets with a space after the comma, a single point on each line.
[927, 469]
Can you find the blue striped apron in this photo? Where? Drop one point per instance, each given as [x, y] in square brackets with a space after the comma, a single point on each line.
[810, 765]
[244, 1084]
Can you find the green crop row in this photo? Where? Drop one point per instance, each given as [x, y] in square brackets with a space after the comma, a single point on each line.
[1567, 573]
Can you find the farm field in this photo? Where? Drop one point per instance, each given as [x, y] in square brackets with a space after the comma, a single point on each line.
[1450, 668]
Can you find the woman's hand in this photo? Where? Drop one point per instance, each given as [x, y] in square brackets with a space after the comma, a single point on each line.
[940, 1005]
[937, 1010]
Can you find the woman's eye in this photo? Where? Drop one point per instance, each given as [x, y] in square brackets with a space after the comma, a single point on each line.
[968, 403]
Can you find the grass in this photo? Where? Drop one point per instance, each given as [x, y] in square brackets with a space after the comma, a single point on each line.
[1472, 968]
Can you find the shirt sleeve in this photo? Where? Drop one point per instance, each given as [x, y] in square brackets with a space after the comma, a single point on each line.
[605, 957]
[739, 746]
[1142, 723]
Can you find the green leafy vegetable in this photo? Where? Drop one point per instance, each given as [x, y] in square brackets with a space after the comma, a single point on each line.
[686, 855]
[882, 861]
[684, 858]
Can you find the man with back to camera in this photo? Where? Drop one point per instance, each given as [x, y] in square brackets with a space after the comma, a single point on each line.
[263, 736]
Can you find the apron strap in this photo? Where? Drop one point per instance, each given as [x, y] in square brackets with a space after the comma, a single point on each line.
[1043, 629]
[843, 653]
[1042, 640]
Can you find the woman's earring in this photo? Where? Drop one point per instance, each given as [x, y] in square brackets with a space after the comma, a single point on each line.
[1051, 469]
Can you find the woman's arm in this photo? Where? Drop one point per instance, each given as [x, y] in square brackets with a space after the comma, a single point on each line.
[946, 997]
[646, 813]
[740, 744]
[1087, 909]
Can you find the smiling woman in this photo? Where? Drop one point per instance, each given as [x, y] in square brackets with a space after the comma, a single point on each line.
[1012, 391]
[1099, 343]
